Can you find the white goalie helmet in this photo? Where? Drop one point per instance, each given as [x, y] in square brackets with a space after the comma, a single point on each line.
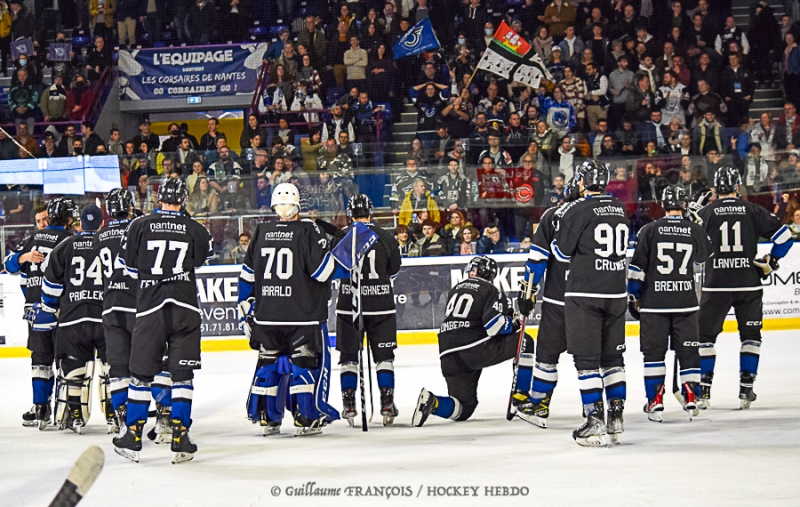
[286, 200]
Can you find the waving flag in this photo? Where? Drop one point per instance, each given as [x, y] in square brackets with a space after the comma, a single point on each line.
[418, 39]
[511, 57]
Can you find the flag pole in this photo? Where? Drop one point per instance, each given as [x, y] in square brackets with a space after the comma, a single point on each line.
[472, 76]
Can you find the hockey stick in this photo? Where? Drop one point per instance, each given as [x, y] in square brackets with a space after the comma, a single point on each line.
[676, 390]
[369, 372]
[83, 474]
[358, 322]
[510, 410]
[364, 426]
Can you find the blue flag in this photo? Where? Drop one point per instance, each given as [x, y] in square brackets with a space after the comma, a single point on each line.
[418, 39]
[348, 252]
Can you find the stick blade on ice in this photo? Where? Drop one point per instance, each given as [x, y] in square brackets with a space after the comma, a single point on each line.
[80, 478]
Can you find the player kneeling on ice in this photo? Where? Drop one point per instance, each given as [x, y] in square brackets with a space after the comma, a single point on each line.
[733, 279]
[72, 300]
[284, 288]
[162, 250]
[479, 330]
[374, 309]
[662, 296]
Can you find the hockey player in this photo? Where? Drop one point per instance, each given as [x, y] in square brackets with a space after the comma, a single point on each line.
[478, 331]
[72, 300]
[162, 251]
[382, 263]
[662, 292]
[284, 288]
[551, 341]
[732, 279]
[593, 235]
[119, 303]
[29, 260]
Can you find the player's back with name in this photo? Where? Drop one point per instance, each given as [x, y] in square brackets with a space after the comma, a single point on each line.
[471, 306]
[75, 264]
[734, 226]
[667, 250]
[555, 280]
[593, 233]
[286, 259]
[162, 251]
[119, 288]
[380, 266]
[43, 241]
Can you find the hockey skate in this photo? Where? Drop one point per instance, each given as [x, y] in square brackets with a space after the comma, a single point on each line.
[29, 418]
[43, 412]
[704, 400]
[74, 421]
[349, 411]
[308, 427]
[746, 394]
[111, 418]
[614, 422]
[269, 427]
[119, 417]
[689, 399]
[162, 432]
[426, 404]
[655, 406]
[129, 442]
[592, 433]
[388, 408]
[182, 445]
[534, 413]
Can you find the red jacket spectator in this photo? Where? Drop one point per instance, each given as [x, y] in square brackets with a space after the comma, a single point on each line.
[79, 100]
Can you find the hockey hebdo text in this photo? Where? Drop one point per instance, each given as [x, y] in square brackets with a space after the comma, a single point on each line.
[312, 489]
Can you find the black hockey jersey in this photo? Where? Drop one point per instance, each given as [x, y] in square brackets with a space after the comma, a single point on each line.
[119, 289]
[666, 252]
[557, 268]
[380, 267]
[32, 273]
[476, 311]
[73, 281]
[288, 264]
[161, 250]
[734, 226]
[593, 235]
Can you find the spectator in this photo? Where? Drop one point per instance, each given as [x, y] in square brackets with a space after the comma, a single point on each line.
[764, 134]
[737, 87]
[53, 102]
[654, 131]
[596, 99]
[545, 139]
[706, 100]
[672, 99]
[500, 157]
[239, 251]
[185, 157]
[90, 140]
[128, 14]
[289, 60]
[337, 47]
[651, 183]
[608, 149]
[310, 147]
[787, 130]
[115, 145]
[8, 150]
[263, 193]
[620, 186]
[365, 118]
[209, 140]
[794, 226]
[23, 99]
[575, 92]
[417, 199]
[453, 188]
[452, 229]
[314, 39]
[429, 106]
[492, 241]
[466, 243]
[764, 35]
[145, 197]
[543, 43]
[753, 167]
[558, 16]
[198, 171]
[430, 245]
[65, 145]
[145, 136]
[233, 201]
[5, 36]
[203, 199]
[566, 158]
[23, 22]
[103, 17]
[708, 135]
[26, 140]
[640, 99]
[224, 169]
[308, 72]
[619, 82]
[627, 138]
[98, 59]
[79, 99]
[333, 126]
[173, 142]
[339, 166]
[706, 71]
[49, 148]
[791, 68]
[571, 46]
[200, 23]
[556, 64]
[528, 188]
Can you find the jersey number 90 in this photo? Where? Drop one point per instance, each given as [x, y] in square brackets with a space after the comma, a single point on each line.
[613, 240]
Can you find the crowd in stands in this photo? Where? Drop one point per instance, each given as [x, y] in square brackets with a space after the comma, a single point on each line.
[660, 91]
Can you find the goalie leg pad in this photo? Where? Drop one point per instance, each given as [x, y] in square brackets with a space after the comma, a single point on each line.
[268, 390]
[311, 380]
[74, 389]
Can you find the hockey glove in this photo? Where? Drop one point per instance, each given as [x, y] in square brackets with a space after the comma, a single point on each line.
[46, 318]
[245, 310]
[29, 315]
[766, 265]
[516, 323]
[633, 306]
[526, 306]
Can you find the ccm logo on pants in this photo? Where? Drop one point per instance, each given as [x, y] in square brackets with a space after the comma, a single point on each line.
[188, 362]
[386, 345]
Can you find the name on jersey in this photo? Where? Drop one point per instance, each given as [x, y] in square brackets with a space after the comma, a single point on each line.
[279, 235]
[167, 226]
[453, 325]
[276, 291]
[607, 265]
[85, 295]
[34, 281]
[609, 210]
[673, 285]
[674, 229]
[180, 277]
[369, 290]
[734, 263]
[730, 210]
[118, 286]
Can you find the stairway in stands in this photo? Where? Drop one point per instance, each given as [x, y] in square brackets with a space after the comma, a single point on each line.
[766, 99]
[403, 133]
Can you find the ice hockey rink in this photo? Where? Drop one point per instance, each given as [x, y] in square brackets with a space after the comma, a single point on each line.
[724, 457]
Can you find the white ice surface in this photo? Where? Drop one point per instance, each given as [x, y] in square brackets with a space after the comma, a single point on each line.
[725, 457]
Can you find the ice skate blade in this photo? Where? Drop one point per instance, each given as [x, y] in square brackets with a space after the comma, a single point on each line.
[271, 430]
[419, 417]
[127, 454]
[163, 438]
[182, 457]
[534, 420]
[388, 420]
[30, 424]
[614, 438]
[655, 417]
[351, 421]
[308, 432]
[744, 404]
[42, 425]
[703, 404]
[77, 429]
[591, 441]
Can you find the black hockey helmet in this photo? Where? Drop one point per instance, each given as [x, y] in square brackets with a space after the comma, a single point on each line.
[119, 202]
[674, 198]
[726, 180]
[594, 175]
[572, 190]
[484, 267]
[360, 206]
[60, 210]
[173, 191]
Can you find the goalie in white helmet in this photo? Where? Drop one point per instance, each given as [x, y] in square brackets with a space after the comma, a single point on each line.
[284, 289]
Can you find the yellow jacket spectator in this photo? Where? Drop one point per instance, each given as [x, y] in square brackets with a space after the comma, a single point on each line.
[418, 199]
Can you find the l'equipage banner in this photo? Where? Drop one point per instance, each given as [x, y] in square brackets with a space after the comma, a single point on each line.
[203, 71]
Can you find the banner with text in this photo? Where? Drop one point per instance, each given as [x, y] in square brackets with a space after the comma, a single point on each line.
[204, 71]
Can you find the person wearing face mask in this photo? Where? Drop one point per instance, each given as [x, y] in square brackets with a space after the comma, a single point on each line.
[64, 69]
[79, 98]
[172, 144]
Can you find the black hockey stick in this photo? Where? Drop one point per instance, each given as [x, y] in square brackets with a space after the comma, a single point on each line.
[510, 410]
[364, 426]
[369, 372]
[676, 390]
[80, 478]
